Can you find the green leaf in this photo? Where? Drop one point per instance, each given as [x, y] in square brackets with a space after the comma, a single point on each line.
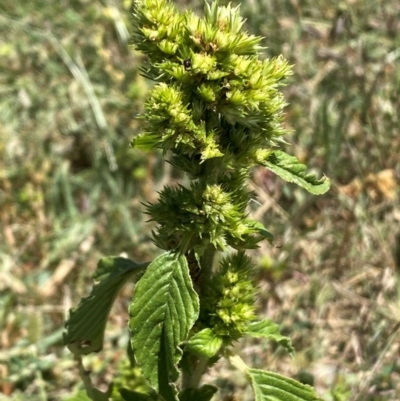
[145, 142]
[204, 343]
[270, 386]
[290, 169]
[266, 328]
[164, 309]
[100, 396]
[97, 395]
[167, 372]
[262, 231]
[86, 324]
[80, 396]
[204, 393]
[129, 395]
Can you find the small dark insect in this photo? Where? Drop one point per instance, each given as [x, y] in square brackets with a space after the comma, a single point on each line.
[187, 63]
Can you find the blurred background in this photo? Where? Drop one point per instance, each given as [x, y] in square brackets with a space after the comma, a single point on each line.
[71, 190]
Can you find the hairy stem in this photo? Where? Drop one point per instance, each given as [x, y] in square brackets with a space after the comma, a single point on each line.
[199, 364]
[207, 261]
[193, 379]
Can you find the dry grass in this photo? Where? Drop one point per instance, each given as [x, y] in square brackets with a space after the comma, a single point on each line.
[70, 192]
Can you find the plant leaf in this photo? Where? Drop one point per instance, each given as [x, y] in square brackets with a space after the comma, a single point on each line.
[204, 343]
[290, 169]
[100, 396]
[266, 328]
[164, 309]
[204, 393]
[167, 372]
[269, 386]
[80, 396]
[86, 323]
[263, 231]
[145, 142]
[129, 395]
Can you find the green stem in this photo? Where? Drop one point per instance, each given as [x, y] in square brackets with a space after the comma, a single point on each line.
[85, 377]
[199, 364]
[193, 380]
[206, 264]
[206, 261]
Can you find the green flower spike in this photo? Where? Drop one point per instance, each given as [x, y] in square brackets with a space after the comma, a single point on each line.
[215, 111]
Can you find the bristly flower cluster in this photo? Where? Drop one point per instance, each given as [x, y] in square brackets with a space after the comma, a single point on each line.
[216, 109]
[195, 218]
[228, 307]
[217, 99]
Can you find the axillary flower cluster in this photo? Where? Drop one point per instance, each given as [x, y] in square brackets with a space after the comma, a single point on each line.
[216, 111]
